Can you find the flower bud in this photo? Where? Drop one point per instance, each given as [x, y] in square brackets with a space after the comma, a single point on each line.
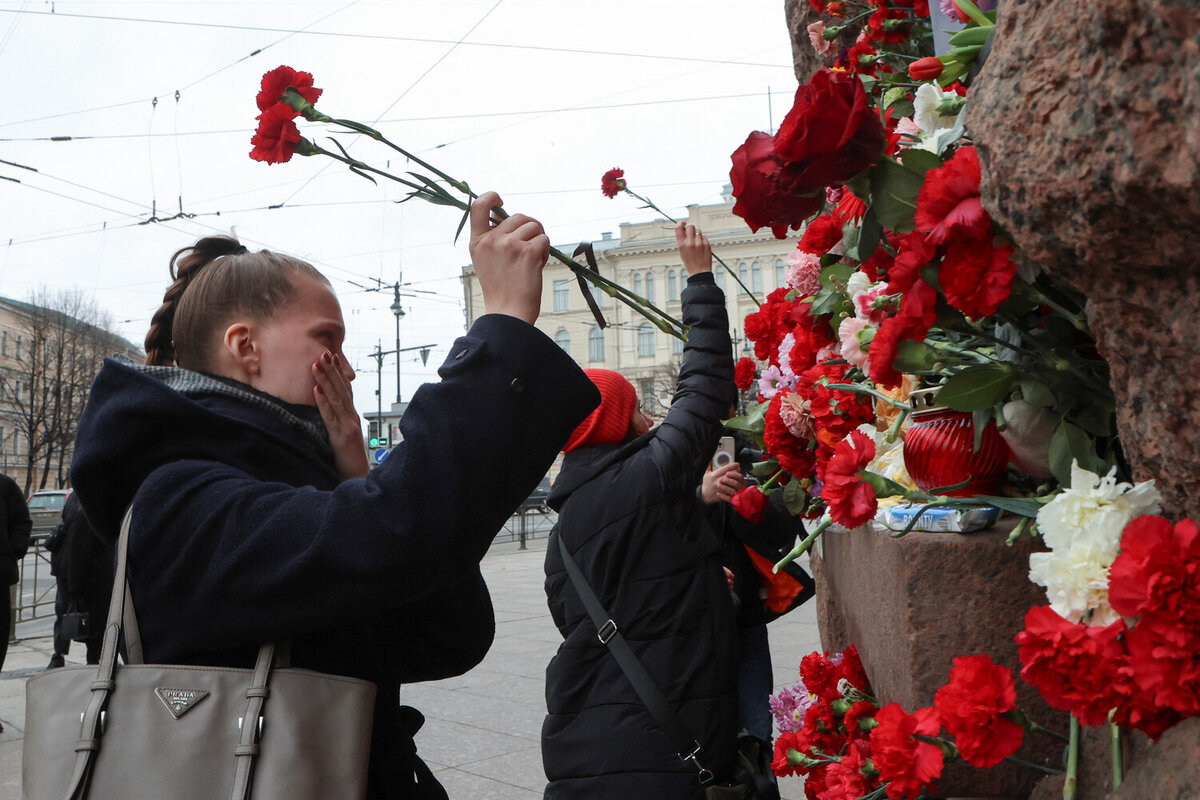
[925, 69]
[951, 105]
[832, 32]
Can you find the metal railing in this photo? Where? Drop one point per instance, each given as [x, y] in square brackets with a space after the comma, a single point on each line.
[531, 521]
[36, 587]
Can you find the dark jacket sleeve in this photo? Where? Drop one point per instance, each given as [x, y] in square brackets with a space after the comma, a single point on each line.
[685, 441]
[250, 559]
[18, 523]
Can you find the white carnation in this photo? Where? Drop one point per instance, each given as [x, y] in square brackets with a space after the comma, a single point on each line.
[1076, 582]
[925, 109]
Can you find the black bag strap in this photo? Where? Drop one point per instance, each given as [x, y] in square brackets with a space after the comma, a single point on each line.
[686, 746]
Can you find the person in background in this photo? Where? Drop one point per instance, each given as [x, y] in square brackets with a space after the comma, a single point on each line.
[14, 543]
[254, 518]
[83, 564]
[628, 517]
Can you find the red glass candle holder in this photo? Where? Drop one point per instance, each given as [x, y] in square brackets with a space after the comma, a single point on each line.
[938, 449]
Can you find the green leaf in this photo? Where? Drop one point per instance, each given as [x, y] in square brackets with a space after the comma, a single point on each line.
[902, 108]
[894, 94]
[914, 356]
[1070, 442]
[894, 190]
[462, 224]
[920, 161]
[1023, 506]
[977, 388]
[835, 276]
[828, 301]
[1036, 393]
[754, 421]
[1095, 419]
[869, 235]
[979, 423]
[764, 469]
[794, 497]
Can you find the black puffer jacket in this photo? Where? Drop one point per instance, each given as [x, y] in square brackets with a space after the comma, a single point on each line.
[629, 516]
[242, 532]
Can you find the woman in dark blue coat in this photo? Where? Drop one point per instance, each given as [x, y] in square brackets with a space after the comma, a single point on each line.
[240, 452]
[628, 515]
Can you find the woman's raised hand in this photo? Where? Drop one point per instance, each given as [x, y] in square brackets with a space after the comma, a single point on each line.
[335, 401]
[508, 256]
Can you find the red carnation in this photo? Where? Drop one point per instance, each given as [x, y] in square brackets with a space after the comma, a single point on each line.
[918, 312]
[1164, 667]
[970, 706]
[766, 197]
[613, 182]
[835, 412]
[1157, 572]
[788, 740]
[1074, 666]
[276, 82]
[277, 135]
[851, 501]
[830, 134]
[743, 373]
[881, 32]
[821, 235]
[750, 503]
[859, 716]
[908, 765]
[844, 780]
[820, 676]
[853, 671]
[769, 325]
[976, 278]
[949, 204]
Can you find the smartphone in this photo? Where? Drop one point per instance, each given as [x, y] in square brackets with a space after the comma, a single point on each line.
[724, 454]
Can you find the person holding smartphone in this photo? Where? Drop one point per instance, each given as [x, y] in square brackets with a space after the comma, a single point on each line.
[628, 517]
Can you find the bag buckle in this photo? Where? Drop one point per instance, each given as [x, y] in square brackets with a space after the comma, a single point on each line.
[258, 733]
[606, 632]
[705, 776]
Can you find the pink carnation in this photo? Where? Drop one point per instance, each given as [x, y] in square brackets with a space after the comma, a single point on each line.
[816, 35]
[851, 346]
[864, 307]
[804, 272]
[795, 413]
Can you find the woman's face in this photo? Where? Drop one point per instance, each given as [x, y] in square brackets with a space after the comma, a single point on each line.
[291, 342]
[641, 422]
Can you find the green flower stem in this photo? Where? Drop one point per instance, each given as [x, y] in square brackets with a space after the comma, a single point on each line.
[894, 430]
[854, 387]
[1035, 767]
[1118, 758]
[1069, 784]
[803, 547]
[650, 204]
[773, 480]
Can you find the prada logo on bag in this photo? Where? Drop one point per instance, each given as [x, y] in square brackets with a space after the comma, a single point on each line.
[180, 701]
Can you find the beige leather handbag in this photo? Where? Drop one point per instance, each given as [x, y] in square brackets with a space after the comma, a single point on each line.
[154, 731]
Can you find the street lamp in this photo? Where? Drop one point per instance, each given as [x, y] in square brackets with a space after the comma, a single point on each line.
[398, 312]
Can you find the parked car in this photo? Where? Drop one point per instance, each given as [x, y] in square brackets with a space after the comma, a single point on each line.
[45, 509]
[537, 498]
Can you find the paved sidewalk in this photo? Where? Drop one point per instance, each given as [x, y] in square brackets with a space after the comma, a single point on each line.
[482, 729]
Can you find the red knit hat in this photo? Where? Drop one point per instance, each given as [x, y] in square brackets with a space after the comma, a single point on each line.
[609, 423]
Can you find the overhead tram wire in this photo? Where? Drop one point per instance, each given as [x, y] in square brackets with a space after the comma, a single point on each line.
[289, 33]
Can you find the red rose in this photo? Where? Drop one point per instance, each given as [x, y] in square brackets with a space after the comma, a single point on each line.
[750, 503]
[276, 82]
[277, 135]
[844, 780]
[851, 501]
[766, 197]
[612, 182]
[821, 235]
[926, 69]
[949, 204]
[908, 765]
[976, 278]
[1157, 571]
[1074, 666]
[830, 134]
[743, 373]
[970, 706]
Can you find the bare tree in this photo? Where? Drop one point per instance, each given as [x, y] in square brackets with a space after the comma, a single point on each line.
[65, 341]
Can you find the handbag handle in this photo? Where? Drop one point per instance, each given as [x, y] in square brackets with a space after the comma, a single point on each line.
[121, 615]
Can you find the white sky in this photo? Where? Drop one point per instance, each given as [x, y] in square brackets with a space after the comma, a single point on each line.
[490, 110]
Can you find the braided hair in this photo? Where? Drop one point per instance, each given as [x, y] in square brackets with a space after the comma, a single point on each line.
[213, 281]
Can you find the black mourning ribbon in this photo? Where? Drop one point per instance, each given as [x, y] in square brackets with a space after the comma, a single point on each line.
[586, 249]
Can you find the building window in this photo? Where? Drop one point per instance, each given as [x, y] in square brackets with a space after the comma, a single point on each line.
[597, 294]
[595, 344]
[676, 345]
[744, 274]
[562, 294]
[4, 343]
[645, 340]
[646, 390]
[672, 286]
[756, 278]
[637, 283]
[780, 273]
[650, 286]
[719, 276]
[563, 340]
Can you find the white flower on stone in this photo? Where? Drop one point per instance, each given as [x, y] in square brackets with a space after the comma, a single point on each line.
[925, 106]
[1082, 526]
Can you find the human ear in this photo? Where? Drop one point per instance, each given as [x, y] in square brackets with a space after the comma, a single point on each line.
[240, 349]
